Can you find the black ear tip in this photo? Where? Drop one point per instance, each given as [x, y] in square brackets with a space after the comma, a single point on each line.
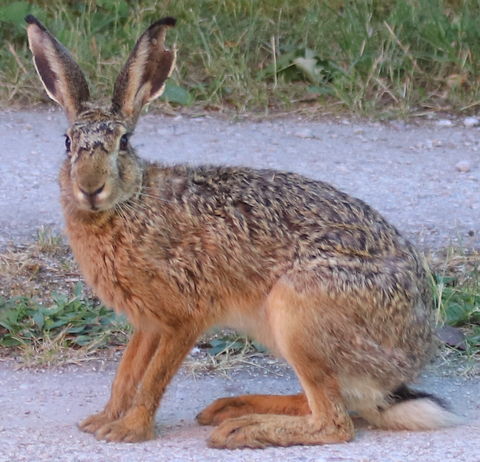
[30, 19]
[168, 21]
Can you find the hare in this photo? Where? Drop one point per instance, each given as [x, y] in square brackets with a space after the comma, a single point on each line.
[317, 276]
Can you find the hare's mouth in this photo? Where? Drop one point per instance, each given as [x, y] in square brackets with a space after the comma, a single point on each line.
[94, 206]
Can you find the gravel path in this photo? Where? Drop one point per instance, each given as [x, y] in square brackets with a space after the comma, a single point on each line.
[40, 409]
[415, 175]
[425, 179]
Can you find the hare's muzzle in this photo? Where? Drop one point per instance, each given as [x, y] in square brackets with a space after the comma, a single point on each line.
[92, 196]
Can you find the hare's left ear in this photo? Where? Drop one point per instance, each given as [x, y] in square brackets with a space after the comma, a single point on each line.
[143, 77]
[60, 74]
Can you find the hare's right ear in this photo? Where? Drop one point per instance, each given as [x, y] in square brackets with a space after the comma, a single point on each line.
[143, 77]
[60, 74]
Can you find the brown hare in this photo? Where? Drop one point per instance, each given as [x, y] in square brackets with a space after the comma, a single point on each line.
[317, 276]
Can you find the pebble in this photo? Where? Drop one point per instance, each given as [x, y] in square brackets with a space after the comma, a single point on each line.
[463, 166]
[452, 336]
[304, 133]
[444, 123]
[471, 122]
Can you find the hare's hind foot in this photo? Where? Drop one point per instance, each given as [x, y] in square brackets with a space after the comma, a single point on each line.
[227, 408]
[328, 423]
[260, 431]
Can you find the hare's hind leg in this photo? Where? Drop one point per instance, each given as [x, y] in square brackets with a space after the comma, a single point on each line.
[227, 408]
[292, 316]
[328, 423]
[134, 361]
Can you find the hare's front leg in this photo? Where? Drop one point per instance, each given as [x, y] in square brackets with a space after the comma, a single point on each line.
[135, 359]
[137, 423]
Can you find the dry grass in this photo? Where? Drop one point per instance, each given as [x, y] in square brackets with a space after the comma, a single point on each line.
[201, 362]
[38, 269]
[54, 351]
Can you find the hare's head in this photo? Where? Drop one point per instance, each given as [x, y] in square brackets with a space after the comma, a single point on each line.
[102, 170]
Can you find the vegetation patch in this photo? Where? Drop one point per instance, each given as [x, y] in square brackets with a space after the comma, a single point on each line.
[457, 297]
[380, 57]
[47, 316]
[74, 320]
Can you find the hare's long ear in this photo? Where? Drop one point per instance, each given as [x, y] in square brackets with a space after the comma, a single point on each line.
[143, 77]
[60, 74]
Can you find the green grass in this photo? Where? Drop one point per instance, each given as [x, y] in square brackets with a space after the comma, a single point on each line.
[457, 296]
[75, 319]
[379, 57]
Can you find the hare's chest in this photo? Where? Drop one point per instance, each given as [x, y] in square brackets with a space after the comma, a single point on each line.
[108, 270]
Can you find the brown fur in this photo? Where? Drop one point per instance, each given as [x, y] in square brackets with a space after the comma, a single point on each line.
[318, 276]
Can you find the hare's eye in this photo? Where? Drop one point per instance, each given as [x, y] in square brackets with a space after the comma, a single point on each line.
[68, 143]
[124, 142]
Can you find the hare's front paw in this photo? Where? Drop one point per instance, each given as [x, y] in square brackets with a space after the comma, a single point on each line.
[126, 429]
[223, 409]
[94, 422]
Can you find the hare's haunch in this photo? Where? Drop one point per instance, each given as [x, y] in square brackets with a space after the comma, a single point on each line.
[316, 275]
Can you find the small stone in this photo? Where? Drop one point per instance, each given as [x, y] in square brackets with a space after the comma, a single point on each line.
[452, 336]
[304, 133]
[444, 123]
[463, 166]
[471, 122]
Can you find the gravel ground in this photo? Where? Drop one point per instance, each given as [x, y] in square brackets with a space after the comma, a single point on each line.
[40, 410]
[423, 178]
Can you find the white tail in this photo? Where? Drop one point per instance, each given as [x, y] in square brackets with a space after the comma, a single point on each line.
[416, 414]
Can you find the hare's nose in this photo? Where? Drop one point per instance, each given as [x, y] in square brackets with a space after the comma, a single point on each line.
[91, 194]
[88, 192]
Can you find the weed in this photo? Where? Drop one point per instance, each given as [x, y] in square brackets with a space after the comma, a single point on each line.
[73, 321]
[371, 56]
[457, 294]
[223, 350]
[228, 343]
